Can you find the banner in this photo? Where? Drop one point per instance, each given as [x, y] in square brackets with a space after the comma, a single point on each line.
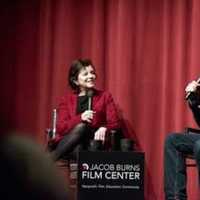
[106, 175]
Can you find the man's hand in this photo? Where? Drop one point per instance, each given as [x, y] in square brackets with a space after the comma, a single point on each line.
[192, 86]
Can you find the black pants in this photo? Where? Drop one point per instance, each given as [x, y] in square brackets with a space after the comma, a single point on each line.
[78, 138]
[177, 146]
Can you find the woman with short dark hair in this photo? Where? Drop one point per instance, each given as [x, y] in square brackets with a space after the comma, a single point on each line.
[78, 121]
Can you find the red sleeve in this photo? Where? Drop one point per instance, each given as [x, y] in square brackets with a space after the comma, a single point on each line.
[66, 119]
[112, 117]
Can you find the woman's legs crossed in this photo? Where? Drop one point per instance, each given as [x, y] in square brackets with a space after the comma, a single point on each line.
[71, 141]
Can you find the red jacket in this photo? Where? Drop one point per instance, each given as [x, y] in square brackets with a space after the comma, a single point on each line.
[106, 114]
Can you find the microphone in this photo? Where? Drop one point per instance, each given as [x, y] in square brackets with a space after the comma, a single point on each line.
[90, 94]
[189, 93]
[54, 118]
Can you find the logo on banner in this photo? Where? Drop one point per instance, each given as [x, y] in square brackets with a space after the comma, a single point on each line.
[85, 166]
[111, 171]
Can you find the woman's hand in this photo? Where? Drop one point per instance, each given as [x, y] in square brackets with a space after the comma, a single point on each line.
[100, 134]
[87, 116]
[192, 86]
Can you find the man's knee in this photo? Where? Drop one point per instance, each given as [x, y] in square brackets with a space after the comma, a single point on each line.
[170, 139]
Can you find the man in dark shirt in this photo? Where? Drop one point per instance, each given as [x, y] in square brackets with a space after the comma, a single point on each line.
[178, 146]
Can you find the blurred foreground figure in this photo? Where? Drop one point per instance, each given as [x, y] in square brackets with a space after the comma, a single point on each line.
[27, 172]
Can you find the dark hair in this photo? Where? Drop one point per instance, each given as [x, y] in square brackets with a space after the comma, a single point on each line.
[75, 68]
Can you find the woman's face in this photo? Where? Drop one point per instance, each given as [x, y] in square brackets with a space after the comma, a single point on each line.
[86, 78]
